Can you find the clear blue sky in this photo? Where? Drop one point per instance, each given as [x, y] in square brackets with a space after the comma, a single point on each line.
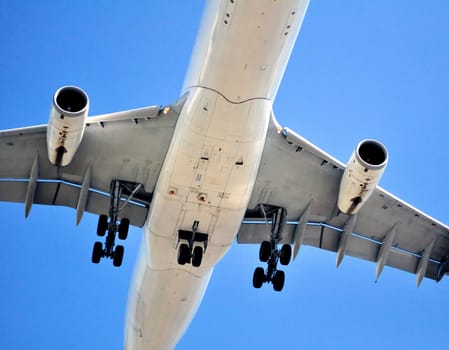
[360, 69]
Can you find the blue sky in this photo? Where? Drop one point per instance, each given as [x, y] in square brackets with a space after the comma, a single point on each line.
[360, 69]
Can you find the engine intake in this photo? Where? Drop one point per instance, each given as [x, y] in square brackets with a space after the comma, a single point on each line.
[361, 176]
[66, 124]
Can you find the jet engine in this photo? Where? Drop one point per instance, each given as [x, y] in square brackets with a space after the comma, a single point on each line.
[66, 125]
[361, 176]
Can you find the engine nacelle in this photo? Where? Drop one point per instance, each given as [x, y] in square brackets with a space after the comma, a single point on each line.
[66, 125]
[361, 176]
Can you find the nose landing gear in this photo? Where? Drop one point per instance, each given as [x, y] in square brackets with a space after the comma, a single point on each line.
[192, 245]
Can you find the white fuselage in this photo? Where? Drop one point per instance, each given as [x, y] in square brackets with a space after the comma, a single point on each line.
[211, 166]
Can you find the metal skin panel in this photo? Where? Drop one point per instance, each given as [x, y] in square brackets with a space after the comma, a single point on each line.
[243, 74]
[290, 175]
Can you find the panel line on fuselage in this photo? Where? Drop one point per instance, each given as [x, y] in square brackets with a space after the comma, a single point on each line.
[226, 98]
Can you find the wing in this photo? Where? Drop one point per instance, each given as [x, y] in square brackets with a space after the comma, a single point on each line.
[297, 176]
[129, 146]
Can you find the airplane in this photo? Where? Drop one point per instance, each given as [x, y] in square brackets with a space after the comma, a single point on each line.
[289, 279]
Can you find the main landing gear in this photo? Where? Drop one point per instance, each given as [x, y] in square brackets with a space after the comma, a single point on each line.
[111, 226]
[191, 246]
[270, 253]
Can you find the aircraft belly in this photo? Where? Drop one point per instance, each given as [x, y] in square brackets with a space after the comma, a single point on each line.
[162, 303]
[246, 53]
[208, 175]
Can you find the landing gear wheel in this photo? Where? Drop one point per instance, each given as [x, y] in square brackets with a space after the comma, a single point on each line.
[97, 252]
[118, 255]
[197, 256]
[123, 229]
[278, 280]
[102, 225]
[265, 251]
[258, 277]
[183, 254]
[286, 254]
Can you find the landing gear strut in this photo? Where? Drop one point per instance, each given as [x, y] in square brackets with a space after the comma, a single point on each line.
[192, 245]
[270, 253]
[111, 226]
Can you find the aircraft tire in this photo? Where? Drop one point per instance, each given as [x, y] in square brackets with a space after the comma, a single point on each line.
[197, 256]
[265, 251]
[278, 280]
[123, 229]
[118, 256]
[183, 254]
[102, 225]
[97, 252]
[258, 277]
[286, 254]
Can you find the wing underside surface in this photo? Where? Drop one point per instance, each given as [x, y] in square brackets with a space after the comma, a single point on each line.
[297, 176]
[129, 146]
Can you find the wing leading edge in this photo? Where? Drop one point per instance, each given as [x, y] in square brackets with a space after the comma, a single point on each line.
[296, 175]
